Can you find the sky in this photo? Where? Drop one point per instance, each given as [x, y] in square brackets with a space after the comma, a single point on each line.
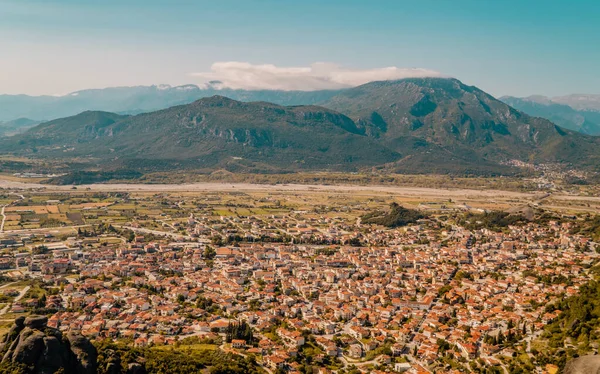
[508, 47]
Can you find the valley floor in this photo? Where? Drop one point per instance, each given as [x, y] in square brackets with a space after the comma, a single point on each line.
[472, 198]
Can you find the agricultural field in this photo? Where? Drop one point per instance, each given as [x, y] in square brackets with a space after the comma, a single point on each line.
[163, 209]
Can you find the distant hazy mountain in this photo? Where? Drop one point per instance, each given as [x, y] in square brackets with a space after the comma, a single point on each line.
[135, 100]
[16, 126]
[584, 121]
[419, 125]
[579, 101]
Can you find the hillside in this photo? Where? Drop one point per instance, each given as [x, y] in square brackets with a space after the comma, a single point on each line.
[76, 129]
[209, 133]
[397, 216]
[573, 332]
[16, 126]
[442, 123]
[583, 121]
[32, 347]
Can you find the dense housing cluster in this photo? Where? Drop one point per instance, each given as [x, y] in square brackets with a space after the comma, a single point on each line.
[299, 290]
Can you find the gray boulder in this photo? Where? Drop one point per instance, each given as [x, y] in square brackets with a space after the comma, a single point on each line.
[14, 331]
[85, 353]
[36, 322]
[29, 347]
[583, 365]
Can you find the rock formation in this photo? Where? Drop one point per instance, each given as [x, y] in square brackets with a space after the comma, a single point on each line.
[583, 365]
[45, 350]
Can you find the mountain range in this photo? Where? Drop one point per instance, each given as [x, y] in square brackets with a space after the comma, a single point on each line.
[574, 112]
[417, 125]
[135, 100]
[215, 132]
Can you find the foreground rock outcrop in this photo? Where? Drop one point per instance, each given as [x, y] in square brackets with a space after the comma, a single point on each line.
[583, 365]
[45, 350]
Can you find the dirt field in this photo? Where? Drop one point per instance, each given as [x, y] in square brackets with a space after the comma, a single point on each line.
[471, 197]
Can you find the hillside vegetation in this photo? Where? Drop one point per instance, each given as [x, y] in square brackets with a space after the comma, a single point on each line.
[397, 216]
[442, 124]
[575, 332]
[171, 361]
[494, 220]
[209, 133]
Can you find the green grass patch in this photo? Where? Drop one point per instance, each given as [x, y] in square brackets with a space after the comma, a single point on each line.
[186, 347]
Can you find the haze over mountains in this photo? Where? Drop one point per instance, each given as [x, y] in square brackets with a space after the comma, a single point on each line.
[574, 112]
[135, 100]
[412, 125]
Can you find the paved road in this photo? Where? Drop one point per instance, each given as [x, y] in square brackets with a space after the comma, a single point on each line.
[6, 285]
[3, 218]
[21, 197]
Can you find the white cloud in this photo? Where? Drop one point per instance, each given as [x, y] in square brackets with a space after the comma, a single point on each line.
[317, 76]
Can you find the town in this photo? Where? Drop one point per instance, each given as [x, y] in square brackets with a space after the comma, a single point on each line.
[295, 279]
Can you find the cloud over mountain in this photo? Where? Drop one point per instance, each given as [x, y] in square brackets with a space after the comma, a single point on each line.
[317, 76]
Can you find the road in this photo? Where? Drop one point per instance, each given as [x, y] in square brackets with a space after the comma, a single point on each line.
[21, 197]
[19, 297]
[6, 285]
[3, 218]
[167, 224]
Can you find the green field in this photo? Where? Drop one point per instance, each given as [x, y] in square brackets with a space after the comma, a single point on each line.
[186, 347]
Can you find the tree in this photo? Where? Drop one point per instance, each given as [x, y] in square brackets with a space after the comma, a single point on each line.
[41, 303]
[39, 250]
[239, 330]
[209, 252]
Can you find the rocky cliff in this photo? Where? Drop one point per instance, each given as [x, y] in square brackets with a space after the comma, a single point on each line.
[37, 348]
[583, 365]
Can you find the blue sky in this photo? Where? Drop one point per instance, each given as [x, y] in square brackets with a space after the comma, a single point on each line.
[504, 47]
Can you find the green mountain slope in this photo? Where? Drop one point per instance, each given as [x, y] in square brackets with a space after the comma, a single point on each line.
[424, 125]
[209, 133]
[443, 122]
[16, 126]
